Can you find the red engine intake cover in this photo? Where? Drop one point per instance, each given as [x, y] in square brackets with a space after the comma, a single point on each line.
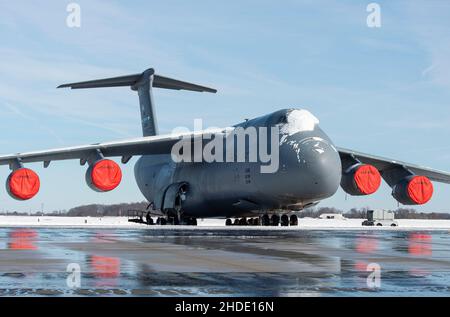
[104, 175]
[361, 179]
[367, 179]
[420, 189]
[413, 190]
[23, 184]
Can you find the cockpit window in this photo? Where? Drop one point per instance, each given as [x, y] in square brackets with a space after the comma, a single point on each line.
[282, 119]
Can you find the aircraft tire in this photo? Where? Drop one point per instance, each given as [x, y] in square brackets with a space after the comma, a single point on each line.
[275, 220]
[284, 220]
[243, 222]
[265, 220]
[293, 221]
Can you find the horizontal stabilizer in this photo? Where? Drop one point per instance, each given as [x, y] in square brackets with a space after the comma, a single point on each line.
[107, 82]
[131, 80]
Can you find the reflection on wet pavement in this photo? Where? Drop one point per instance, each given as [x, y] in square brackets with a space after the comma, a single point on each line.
[22, 239]
[420, 244]
[167, 262]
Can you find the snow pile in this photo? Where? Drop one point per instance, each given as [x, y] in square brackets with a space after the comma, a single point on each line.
[299, 120]
[45, 221]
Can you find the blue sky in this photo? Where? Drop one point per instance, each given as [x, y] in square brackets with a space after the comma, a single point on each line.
[383, 90]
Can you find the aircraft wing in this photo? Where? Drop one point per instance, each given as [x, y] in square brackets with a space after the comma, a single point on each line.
[160, 144]
[384, 164]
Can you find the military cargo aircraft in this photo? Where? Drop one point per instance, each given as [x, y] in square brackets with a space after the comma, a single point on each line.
[308, 168]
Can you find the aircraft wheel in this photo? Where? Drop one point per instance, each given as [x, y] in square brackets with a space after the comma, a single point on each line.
[275, 220]
[228, 222]
[236, 222]
[265, 220]
[379, 225]
[188, 221]
[149, 220]
[162, 221]
[243, 222]
[293, 220]
[193, 221]
[284, 220]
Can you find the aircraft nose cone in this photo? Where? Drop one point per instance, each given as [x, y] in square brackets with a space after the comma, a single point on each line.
[310, 168]
[321, 166]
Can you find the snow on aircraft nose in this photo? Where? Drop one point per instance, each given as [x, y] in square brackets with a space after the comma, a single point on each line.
[314, 166]
[321, 165]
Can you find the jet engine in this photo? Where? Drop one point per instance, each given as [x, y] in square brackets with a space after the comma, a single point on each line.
[413, 190]
[360, 179]
[22, 184]
[103, 175]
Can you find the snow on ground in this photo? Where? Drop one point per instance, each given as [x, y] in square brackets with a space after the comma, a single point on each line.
[122, 222]
[45, 221]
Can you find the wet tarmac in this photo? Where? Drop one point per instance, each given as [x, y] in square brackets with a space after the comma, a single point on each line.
[218, 262]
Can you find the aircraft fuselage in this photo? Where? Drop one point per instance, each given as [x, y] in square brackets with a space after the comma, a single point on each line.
[309, 170]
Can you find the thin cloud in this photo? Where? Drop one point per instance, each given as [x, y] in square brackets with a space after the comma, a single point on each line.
[26, 117]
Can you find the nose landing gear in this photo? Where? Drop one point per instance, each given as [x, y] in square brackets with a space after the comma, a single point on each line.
[173, 220]
[161, 221]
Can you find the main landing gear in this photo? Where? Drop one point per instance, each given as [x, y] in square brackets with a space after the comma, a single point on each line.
[265, 220]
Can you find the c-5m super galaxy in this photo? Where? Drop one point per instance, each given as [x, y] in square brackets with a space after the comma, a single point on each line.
[310, 167]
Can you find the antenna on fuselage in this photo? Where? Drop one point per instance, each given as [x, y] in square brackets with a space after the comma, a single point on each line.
[143, 84]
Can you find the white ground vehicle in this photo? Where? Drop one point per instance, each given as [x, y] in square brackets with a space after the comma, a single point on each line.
[380, 217]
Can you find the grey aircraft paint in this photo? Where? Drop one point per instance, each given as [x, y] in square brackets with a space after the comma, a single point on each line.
[309, 170]
[233, 189]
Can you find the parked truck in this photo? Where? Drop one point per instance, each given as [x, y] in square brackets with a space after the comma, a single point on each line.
[380, 217]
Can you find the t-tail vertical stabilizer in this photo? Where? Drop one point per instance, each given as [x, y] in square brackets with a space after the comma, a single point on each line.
[143, 84]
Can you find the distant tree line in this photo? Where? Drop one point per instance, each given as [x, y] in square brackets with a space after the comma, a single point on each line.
[93, 210]
[400, 213]
[98, 210]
